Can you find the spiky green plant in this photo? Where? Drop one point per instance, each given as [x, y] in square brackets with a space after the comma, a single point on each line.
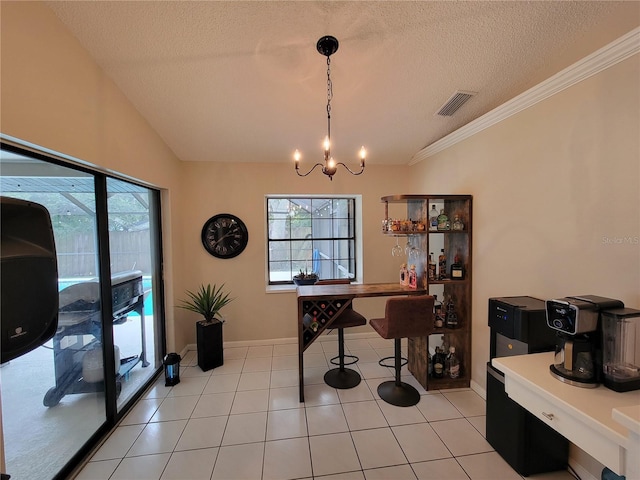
[207, 301]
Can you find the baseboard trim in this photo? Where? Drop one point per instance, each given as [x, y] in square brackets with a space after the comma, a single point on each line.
[330, 337]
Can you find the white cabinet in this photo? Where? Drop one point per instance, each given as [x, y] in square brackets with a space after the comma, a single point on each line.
[599, 421]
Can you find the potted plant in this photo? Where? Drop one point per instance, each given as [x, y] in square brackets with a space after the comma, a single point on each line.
[207, 301]
[305, 278]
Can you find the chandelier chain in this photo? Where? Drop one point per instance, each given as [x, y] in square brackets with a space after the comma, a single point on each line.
[329, 96]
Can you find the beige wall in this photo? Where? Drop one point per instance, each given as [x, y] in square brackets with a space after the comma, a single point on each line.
[549, 184]
[240, 189]
[556, 197]
[55, 96]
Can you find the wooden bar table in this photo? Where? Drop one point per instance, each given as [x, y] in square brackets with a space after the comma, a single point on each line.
[319, 305]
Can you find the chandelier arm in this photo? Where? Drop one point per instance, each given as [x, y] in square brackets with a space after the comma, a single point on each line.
[351, 171]
[312, 169]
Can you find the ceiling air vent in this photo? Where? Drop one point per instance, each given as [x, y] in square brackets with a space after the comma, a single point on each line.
[456, 101]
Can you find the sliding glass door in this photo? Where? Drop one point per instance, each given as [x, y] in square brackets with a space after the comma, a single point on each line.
[58, 399]
[133, 254]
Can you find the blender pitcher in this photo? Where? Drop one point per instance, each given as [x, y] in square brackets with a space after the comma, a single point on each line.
[621, 349]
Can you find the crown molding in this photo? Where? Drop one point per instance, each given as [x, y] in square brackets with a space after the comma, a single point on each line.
[600, 60]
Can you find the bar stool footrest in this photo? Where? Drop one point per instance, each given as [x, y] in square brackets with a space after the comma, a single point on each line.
[403, 362]
[336, 360]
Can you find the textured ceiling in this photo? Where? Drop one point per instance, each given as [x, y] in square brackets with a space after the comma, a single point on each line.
[243, 82]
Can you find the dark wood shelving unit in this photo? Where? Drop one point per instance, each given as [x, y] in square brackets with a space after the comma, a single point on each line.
[455, 243]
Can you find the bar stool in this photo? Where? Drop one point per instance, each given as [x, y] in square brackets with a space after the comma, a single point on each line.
[410, 316]
[342, 377]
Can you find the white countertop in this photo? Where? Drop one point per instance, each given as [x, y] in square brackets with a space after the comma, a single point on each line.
[614, 414]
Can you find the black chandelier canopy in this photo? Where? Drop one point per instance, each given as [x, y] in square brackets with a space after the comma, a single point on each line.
[327, 46]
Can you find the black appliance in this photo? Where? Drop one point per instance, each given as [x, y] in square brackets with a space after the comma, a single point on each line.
[578, 357]
[518, 327]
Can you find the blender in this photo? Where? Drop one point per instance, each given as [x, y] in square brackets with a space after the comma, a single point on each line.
[621, 349]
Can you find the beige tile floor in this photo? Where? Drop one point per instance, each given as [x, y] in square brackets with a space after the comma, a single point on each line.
[244, 421]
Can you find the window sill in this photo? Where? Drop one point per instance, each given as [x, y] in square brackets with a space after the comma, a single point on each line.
[280, 288]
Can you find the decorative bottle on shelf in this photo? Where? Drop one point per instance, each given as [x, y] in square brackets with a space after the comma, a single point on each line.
[438, 364]
[451, 317]
[457, 270]
[453, 364]
[404, 275]
[442, 265]
[443, 221]
[431, 267]
[413, 277]
[457, 223]
[433, 219]
[438, 322]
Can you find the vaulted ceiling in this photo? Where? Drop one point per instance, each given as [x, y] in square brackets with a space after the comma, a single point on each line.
[242, 81]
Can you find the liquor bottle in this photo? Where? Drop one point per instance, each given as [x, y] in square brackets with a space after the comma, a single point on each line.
[433, 218]
[442, 265]
[404, 275]
[431, 267]
[453, 363]
[457, 223]
[443, 221]
[413, 277]
[438, 321]
[438, 364]
[457, 270]
[451, 318]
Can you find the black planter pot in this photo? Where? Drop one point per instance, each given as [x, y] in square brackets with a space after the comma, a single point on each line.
[209, 344]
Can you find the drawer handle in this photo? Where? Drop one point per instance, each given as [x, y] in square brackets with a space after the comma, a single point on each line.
[550, 416]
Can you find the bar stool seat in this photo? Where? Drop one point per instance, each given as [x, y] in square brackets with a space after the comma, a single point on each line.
[343, 377]
[410, 316]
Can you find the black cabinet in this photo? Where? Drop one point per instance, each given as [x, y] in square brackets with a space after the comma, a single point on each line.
[518, 327]
[524, 441]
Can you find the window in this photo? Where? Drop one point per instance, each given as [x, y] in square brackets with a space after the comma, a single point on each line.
[312, 234]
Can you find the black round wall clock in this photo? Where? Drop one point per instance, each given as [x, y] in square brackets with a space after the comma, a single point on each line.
[224, 235]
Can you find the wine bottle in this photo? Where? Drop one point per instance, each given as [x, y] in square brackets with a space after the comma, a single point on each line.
[453, 363]
[432, 267]
[438, 322]
[442, 265]
[438, 364]
[451, 317]
[433, 218]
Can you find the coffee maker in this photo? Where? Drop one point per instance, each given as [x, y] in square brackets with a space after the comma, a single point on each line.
[577, 321]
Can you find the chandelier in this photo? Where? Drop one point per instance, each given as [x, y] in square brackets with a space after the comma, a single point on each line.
[327, 46]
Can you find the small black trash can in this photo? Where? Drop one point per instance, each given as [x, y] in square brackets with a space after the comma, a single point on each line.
[171, 369]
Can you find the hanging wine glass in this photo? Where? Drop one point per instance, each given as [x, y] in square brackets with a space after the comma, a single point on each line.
[414, 255]
[397, 249]
[407, 247]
